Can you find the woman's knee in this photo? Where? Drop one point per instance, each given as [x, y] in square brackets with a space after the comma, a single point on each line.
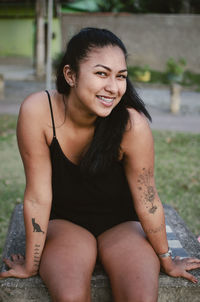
[70, 295]
[139, 295]
[142, 299]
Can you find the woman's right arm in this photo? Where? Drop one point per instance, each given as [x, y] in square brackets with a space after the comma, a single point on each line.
[38, 192]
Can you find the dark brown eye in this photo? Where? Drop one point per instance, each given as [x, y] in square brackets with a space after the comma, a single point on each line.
[101, 73]
[122, 76]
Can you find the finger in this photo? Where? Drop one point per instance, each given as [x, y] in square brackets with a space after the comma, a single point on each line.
[20, 256]
[14, 257]
[190, 266]
[6, 274]
[8, 262]
[20, 259]
[189, 277]
[193, 260]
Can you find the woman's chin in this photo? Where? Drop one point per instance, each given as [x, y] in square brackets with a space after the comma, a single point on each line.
[104, 113]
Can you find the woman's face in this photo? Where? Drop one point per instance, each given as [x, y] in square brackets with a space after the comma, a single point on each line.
[101, 82]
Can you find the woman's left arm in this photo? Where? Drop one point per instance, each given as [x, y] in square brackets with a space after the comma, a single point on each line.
[138, 150]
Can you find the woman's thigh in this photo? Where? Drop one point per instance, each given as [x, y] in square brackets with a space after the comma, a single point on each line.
[68, 261]
[131, 263]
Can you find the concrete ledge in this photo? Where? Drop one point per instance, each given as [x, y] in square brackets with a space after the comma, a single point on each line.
[181, 240]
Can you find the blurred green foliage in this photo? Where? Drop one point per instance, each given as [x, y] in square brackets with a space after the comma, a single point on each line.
[189, 78]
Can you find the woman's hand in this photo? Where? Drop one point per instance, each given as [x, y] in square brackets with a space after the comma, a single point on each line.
[180, 267]
[17, 268]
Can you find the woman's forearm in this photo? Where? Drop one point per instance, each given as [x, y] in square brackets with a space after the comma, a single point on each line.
[154, 226]
[150, 212]
[155, 229]
[36, 217]
[149, 209]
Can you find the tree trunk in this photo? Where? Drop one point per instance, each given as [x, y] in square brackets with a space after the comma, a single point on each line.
[2, 84]
[49, 40]
[175, 102]
[40, 38]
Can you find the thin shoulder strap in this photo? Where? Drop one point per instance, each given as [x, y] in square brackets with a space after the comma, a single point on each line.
[52, 118]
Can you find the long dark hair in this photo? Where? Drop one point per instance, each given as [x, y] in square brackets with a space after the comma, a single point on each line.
[105, 146]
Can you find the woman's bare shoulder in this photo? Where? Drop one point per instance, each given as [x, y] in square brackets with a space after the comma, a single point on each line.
[137, 121]
[137, 131]
[34, 115]
[34, 103]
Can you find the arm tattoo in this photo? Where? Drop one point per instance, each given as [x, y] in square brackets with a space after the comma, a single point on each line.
[156, 230]
[147, 190]
[36, 259]
[36, 227]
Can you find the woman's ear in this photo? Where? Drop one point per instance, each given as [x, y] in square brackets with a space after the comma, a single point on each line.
[69, 76]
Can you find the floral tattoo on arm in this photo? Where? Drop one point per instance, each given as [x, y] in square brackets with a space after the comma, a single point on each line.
[147, 190]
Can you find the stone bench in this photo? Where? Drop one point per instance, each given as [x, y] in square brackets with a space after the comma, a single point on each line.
[181, 241]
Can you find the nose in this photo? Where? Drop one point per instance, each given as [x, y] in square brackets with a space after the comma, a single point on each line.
[111, 85]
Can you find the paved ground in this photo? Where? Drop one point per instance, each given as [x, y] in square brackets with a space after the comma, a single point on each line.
[19, 83]
[157, 101]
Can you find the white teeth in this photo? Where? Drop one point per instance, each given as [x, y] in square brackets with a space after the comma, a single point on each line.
[105, 99]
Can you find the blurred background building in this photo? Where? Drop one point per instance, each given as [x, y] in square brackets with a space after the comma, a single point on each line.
[153, 30]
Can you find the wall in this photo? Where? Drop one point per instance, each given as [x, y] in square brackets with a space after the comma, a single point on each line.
[150, 39]
[57, 40]
[18, 37]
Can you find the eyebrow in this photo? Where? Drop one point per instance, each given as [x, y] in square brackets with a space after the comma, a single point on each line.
[107, 68]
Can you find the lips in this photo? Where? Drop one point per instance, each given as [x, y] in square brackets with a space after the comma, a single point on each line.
[106, 101]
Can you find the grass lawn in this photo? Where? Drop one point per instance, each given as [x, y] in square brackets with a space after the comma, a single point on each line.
[177, 169]
[11, 173]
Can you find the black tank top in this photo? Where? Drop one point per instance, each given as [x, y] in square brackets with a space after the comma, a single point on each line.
[95, 203]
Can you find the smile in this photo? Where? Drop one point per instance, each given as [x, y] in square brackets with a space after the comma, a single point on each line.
[107, 101]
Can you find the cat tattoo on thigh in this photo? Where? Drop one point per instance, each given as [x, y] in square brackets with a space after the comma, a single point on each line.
[36, 227]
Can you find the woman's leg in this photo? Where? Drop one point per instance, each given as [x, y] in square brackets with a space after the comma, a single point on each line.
[131, 263]
[68, 261]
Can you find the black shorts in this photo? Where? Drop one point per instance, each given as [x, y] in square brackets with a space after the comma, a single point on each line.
[98, 223]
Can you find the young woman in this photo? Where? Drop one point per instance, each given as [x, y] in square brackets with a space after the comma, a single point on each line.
[88, 155]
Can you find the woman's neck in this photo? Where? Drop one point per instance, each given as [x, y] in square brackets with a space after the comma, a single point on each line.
[79, 117]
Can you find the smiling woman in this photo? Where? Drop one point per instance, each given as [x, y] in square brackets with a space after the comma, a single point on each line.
[88, 156]
[112, 89]
[99, 87]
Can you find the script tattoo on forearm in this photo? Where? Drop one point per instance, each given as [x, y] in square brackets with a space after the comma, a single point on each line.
[156, 230]
[36, 256]
[147, 190]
